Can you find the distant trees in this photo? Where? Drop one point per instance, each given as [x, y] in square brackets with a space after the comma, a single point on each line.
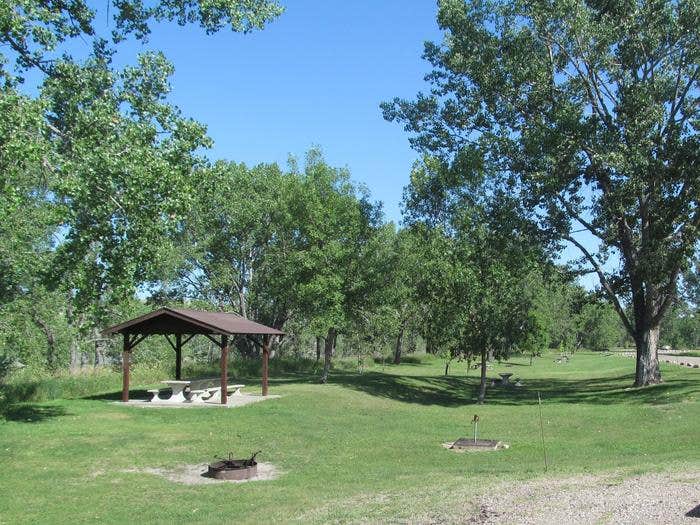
[276, 246]
[95, 164]
[477, 249]
[542, 120]
[590, 112]
[680, 328]
[569, 317]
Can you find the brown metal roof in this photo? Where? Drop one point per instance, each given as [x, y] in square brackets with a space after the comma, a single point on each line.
[185, 321]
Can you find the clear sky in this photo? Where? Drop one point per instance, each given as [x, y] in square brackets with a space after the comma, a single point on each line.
[313, 77]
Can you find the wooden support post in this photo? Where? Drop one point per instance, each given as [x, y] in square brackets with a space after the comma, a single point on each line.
[178, 357]
[265, 359]
[224, 369]
[126, 353]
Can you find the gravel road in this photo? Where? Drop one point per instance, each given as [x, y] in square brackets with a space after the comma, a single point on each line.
[680, 360]
[691, 362]
[648, 499]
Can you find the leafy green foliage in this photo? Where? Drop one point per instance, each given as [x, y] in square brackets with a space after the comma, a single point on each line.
[599, 327]
[96, 166]
[681, 328]
[590, 112]
[28, 219]
[476, 251]
[34, 31]
[124, 175]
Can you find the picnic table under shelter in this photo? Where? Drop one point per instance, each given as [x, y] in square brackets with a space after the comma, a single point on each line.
[180, 325]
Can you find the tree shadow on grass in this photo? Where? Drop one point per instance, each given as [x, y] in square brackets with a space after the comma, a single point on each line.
[694, 512]
[252, 383]
[30, 413]
[15, 407]
[457, 391]
[117, 395]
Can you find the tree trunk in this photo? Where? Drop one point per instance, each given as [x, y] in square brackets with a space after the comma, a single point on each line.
[429, 346]
[100, 344]
[75, 324]
[265, 364]
[242, 304]
[647, 371]
[75, 363]
[328, 353]
[99, 354]
[51, 357]
[399, 347]
[318, 348]
[210, 352]
[482, 383]
[648, 307]
[412, 343]
[447, 366]
[247, 348]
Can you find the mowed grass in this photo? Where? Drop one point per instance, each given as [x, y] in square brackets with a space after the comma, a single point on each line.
[366, 447]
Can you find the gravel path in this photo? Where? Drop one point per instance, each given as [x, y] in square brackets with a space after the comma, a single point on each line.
[680, 360]
[648, 499]
[691, 362]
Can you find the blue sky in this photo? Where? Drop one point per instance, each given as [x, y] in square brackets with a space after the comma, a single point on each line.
[314, 77]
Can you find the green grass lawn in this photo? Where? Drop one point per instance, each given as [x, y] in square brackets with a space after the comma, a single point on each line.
[362, 448]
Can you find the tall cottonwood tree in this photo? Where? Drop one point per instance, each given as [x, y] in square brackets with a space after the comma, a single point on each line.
[591, 110]
[234, 243]
[28, 218]
[236, 219]
[110, 157]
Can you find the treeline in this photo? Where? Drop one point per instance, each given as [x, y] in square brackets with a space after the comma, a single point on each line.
[305, 250]
[109, 208]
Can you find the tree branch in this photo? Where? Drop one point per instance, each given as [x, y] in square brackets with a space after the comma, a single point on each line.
[604, 283]
[587, 225]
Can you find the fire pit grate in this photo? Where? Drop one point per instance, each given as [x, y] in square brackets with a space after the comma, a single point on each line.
[234, 469]
[478, 444]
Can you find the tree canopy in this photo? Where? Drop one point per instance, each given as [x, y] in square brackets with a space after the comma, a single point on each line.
[590, 112]
[544, 124]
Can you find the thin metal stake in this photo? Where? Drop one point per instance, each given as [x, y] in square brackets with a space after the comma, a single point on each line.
[544, 450]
